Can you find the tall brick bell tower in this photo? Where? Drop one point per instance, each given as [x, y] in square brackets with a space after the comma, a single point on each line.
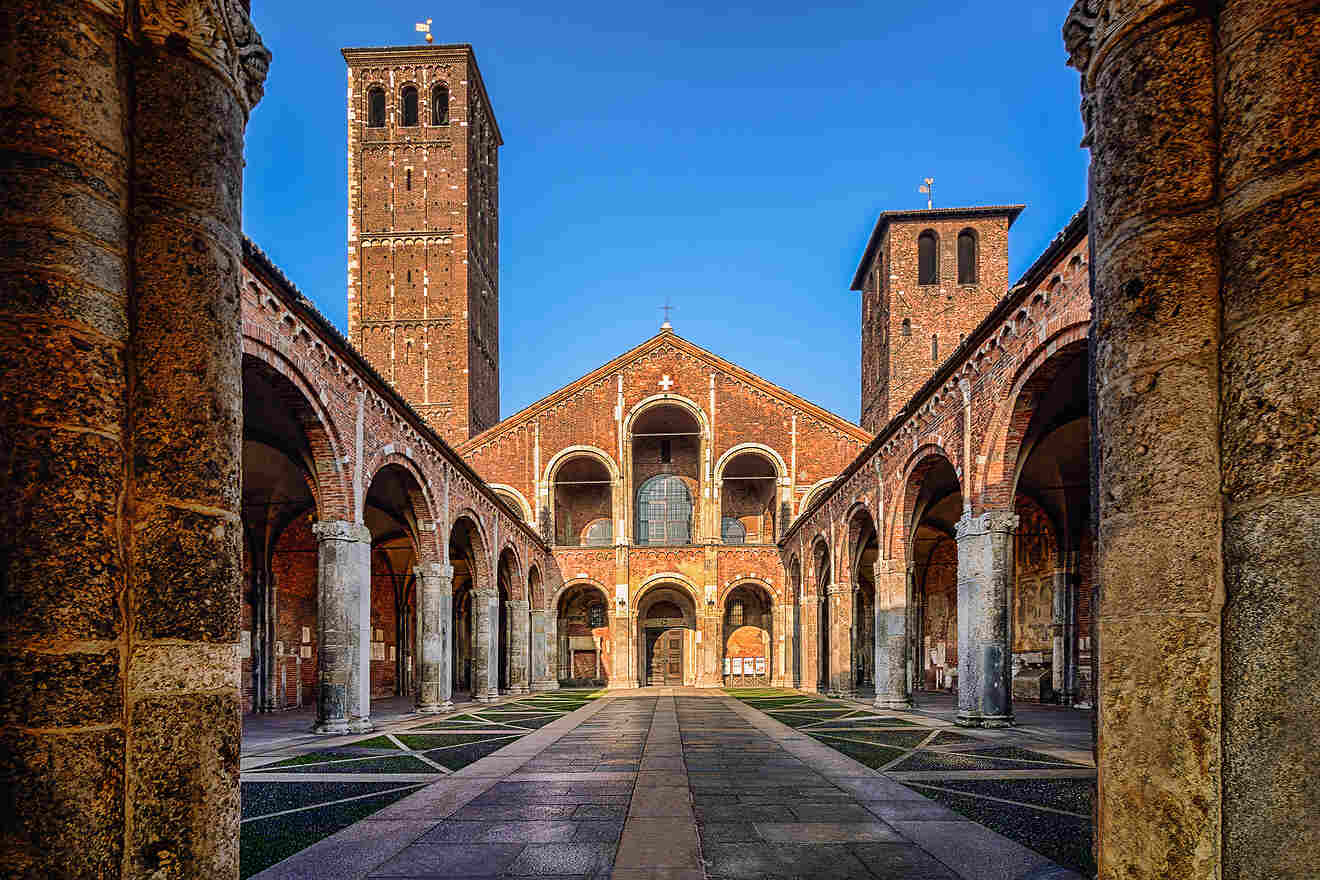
[927, 279]
[423, 230]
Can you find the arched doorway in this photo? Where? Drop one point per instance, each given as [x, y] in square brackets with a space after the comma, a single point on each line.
[934, 505]
[748, 624]
[863, 551]
[467, 556]
[822, 568]
[667, 624]
[584, 651]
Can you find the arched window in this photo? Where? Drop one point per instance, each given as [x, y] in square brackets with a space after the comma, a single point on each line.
[967, 257]
[599, 534]
[907, 327]
[376, 108]
[440, 105]
[664, 511]
[732, 531]
[928, 260]
[408, 105]
[935, 348]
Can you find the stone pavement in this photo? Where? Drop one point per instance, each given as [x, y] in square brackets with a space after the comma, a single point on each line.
[667, 783]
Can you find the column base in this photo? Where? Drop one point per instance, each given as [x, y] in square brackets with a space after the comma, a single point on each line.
[983, 720]
[519, 689]
[361, 725]
[333, 727]
[538, 686]
[894, 704]
[486, 697]
[434, 708]
[842, 695]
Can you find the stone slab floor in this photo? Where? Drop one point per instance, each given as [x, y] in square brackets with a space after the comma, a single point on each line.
[668, 783]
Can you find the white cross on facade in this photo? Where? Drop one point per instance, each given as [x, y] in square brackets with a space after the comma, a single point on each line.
[666, 383]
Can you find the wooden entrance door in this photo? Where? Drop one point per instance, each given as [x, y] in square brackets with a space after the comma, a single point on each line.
[667, 659]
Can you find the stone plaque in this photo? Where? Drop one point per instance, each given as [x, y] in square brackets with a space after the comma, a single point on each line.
[596, 615]
[244, 645]
[393, 655]
[307, 652]
[306, 633]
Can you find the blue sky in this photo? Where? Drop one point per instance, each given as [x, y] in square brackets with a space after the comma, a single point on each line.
[732, 160]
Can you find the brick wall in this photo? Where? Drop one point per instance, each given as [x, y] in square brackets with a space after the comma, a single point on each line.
[293, 566]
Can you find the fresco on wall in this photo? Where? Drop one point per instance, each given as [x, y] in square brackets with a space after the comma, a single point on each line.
[1035, 557]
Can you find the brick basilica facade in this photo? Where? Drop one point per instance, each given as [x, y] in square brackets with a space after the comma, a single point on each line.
[669, 518]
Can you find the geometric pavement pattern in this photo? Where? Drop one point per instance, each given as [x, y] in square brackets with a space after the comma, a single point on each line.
[1042, 801]
[290, 801]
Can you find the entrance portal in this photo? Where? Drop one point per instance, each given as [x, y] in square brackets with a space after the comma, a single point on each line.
[666, 653]
[666, 639]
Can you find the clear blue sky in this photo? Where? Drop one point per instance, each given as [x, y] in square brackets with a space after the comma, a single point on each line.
[731, 159]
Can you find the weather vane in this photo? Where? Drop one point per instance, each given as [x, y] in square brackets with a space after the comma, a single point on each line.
[425, 28]
[666, 308]
[929, 189]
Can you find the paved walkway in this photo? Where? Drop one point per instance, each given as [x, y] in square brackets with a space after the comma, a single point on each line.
[678, 784]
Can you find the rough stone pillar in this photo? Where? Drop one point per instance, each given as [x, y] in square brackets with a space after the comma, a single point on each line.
[435, 616]
[781, 647]
[544, 672]
[120, 434]
[343, 573]
[840, 675]
[519, 645]
[486, 647]
[810, 647]
[622, 629]
[892, 689]
[1207, 487]
[985, 571]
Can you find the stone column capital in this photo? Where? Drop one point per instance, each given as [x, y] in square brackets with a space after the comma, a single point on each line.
[218, 33]
[972, 525]
[838, 589]
[517, 604]
[434, 570]
[341, 530]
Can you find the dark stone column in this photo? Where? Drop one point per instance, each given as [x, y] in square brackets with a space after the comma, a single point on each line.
[985, 570]
[120, 435]
[435, 614]
[1269, 433]
[343, 576]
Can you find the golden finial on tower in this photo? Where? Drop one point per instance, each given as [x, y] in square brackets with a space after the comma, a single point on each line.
[425, 29]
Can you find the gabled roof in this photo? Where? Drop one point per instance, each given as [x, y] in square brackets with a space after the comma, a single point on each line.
[668, 337]
[886, 217]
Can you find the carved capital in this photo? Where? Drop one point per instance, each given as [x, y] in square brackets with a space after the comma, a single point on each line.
[218, 33]
[1079, 33]
[1002, 521]
[341, 530]
[434, 571]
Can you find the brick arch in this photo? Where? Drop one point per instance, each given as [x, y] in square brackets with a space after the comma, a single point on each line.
[517, 582]
[423, 503]
[766, 452]
[560, 458]
[662, 579]
[668, 397]
[535, 588]
[914, 472]
[741, 580]
[821, 547]
[1003, 439]
[482, 577]
[855, 527]
[814, 492]
[332, 494]
[794, 567]
[572, 583]
[522, 506]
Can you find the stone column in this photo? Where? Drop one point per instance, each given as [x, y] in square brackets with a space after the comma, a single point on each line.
[1207, 487]
[841, 622]
[985, 569]
[519, 645]
[120, 435]
[343, 574]
[435, 617]
[781, 646]
[486, 647]
[810, 648]
[892, 688]
[545, 672]
[710, 671]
